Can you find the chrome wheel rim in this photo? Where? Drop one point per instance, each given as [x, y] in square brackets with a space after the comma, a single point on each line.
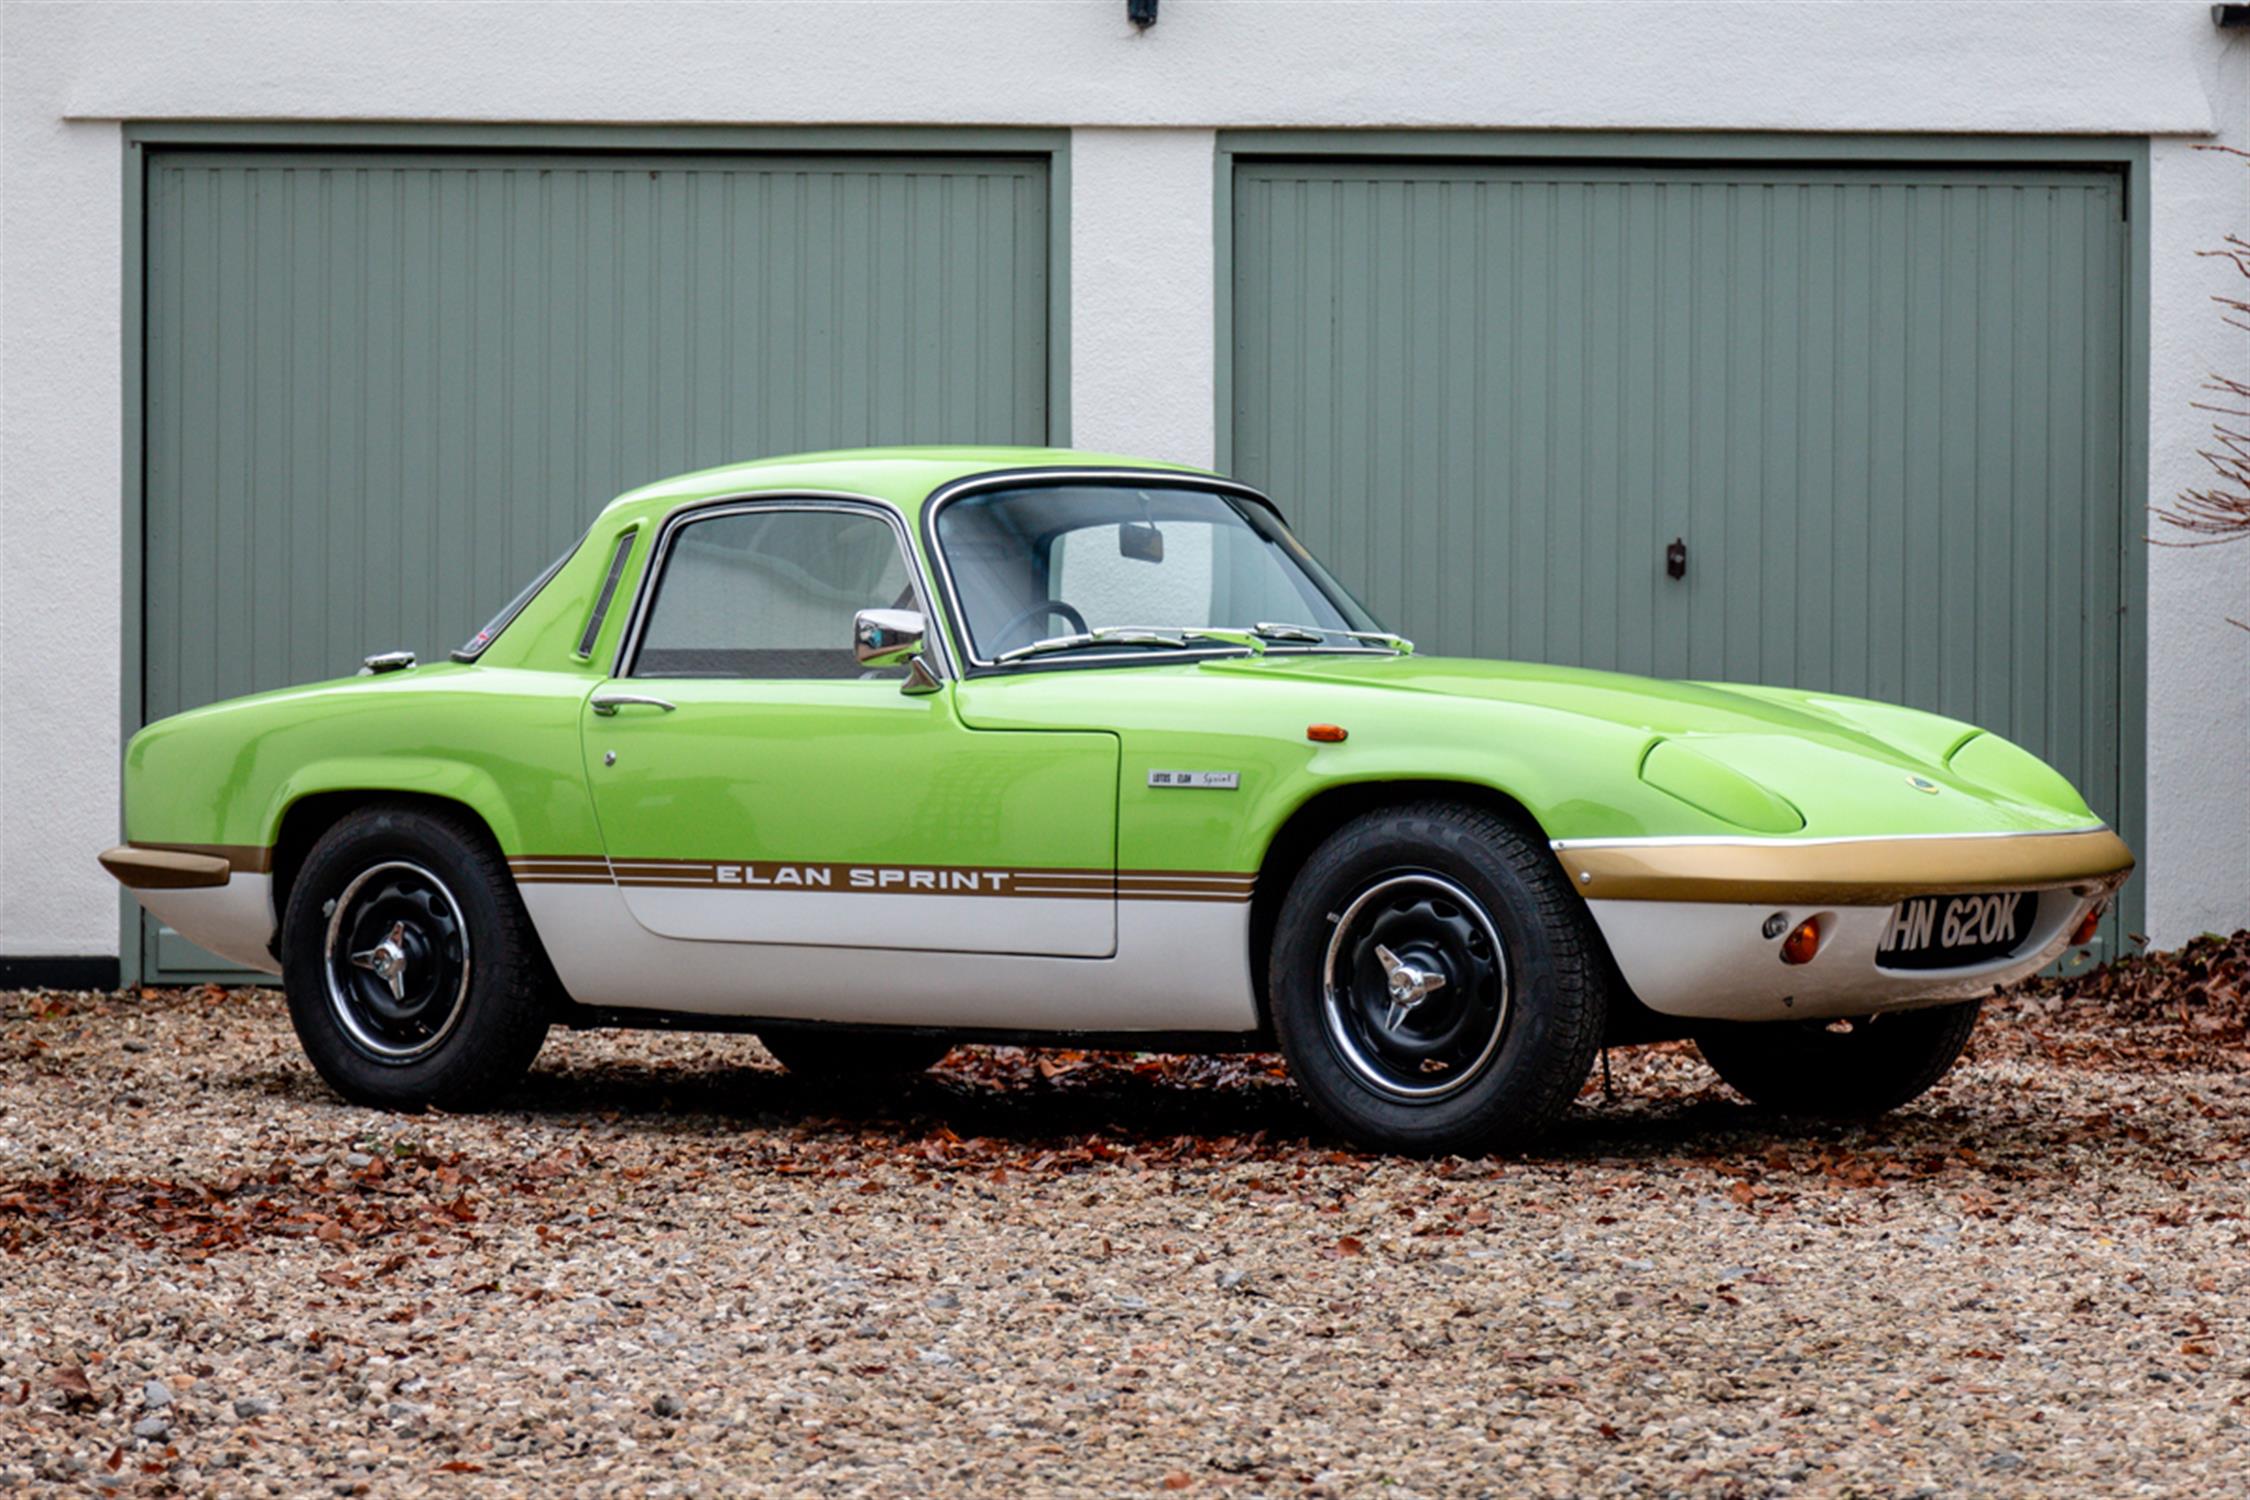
[396, 960]
[1415, 987]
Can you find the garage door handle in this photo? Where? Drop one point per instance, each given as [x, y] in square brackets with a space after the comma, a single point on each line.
[609, 703]
[1675, 558]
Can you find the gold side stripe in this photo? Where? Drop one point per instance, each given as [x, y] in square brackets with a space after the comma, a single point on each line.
[787, 875]
[991, 883]
[1199, 896]
[1244, 876]
[247, 859]
[1132, 879]
[863, 864]
[761, 876]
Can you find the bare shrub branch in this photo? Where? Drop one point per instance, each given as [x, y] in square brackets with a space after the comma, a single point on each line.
[2219, 511]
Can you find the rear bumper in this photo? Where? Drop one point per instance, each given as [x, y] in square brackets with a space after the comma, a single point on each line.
[150, 869]
[1686, 919]
[216, 895]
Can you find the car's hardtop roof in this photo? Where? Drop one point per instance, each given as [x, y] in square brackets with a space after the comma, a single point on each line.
[903, 476]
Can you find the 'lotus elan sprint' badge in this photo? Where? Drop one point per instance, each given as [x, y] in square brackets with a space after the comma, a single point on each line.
[1210, 781]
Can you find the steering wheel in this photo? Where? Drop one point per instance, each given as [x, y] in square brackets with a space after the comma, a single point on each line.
[1037, 611]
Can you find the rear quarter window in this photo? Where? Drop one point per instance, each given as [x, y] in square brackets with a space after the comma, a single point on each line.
[474, 647]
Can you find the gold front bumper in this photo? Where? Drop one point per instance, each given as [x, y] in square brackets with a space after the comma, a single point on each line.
[1874, 871]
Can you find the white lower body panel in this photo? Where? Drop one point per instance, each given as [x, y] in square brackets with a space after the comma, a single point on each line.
[234, 920]
[1179, 966]
[1712, 961]
[1076, 928]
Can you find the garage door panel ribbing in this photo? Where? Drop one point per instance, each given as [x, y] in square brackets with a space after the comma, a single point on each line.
[1881, 405]
[381, 392]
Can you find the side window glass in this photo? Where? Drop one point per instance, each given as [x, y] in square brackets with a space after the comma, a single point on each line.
[770, 594]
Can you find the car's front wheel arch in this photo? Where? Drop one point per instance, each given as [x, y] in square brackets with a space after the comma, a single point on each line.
[1436, 983]
[1318, 817]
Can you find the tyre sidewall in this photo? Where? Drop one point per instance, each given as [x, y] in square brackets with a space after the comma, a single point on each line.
[1791, 1070]
[492, 1028]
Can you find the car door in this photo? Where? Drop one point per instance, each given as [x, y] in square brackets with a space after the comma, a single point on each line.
[756, 785]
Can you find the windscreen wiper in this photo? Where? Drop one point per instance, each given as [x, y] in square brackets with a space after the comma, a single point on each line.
[1134, 635]
[1319, 635]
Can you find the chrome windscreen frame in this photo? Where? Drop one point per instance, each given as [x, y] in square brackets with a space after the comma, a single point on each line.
[843, 501]
[956, 617]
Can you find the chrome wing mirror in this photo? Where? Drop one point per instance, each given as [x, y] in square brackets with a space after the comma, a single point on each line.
[893, 638]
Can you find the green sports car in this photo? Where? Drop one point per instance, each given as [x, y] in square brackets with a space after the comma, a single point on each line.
[871, 753]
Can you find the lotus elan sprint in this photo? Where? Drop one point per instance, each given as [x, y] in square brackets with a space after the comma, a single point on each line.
[872, 753]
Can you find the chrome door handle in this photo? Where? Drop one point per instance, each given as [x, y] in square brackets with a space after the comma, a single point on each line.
[608, 704]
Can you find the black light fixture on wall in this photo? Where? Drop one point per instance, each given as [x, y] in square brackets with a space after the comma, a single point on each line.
[1141, 13]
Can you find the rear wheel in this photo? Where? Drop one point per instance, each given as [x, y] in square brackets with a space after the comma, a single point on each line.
[847, 1055]
[412, 973]
[1840, 1069]
[1435, 987]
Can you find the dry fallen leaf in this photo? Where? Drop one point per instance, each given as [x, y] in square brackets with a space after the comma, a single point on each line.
[76, 1389]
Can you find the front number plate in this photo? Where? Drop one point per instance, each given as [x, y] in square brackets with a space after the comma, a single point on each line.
[1955, 932]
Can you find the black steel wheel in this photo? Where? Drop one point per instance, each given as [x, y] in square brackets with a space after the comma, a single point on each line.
[412, 971]
[1415, 985]
[1435, 983]
[397, 959]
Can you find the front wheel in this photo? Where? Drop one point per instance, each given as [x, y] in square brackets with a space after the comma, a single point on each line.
[1435, 986]
[412, 972]
[1846, 1069]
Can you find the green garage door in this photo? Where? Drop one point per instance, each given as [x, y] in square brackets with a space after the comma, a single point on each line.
[384, 389]
[1881, 409]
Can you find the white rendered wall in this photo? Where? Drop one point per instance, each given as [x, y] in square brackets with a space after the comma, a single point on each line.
[2198, 846]
[1143, 108]
[1143, 293]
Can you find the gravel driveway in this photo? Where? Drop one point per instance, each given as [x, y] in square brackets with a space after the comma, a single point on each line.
[667, 1268]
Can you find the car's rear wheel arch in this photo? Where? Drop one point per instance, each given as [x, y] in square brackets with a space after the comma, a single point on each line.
[306, 819]
[1322, 814]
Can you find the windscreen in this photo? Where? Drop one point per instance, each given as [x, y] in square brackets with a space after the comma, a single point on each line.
[1044, 560]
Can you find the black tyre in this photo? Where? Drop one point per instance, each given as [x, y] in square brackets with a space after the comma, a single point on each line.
[1435, 983]
[848, 1055]
[1840, 1069]
[413, 974]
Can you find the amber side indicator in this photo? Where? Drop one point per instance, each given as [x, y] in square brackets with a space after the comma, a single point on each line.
[1326, 734]
[2088, 925]
[1802, 943]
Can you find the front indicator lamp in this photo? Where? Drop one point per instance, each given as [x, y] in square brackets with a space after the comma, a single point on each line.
[2088, 925]
[1802, 943]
